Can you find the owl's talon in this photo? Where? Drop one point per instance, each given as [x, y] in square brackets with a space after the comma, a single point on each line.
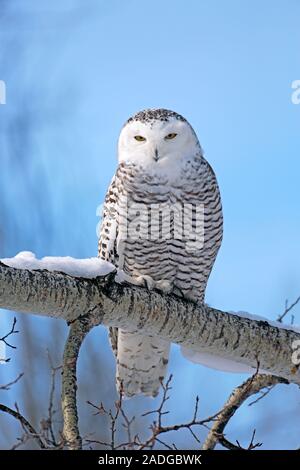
[178, 292]
[146, 281]
[164, 285]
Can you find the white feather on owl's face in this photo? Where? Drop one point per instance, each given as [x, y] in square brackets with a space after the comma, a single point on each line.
[157, 140]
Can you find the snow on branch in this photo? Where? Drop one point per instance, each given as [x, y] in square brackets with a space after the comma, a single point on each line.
[91, 289]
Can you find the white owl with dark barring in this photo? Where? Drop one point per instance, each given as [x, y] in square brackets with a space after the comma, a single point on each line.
[161, 171]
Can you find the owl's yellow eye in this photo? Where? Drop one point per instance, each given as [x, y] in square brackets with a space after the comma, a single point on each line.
[139, 138]
[170, 136]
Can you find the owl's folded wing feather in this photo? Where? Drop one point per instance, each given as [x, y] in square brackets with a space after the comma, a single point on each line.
[107, 246]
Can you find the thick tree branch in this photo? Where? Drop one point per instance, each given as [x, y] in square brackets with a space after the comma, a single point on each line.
[198, 327]
[78, 332]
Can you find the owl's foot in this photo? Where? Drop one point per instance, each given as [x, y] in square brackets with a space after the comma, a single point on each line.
[178, 292]
[146, 281]
[164, 285]
[143, 280]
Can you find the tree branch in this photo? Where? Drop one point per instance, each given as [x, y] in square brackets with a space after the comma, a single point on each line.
[13, 382]
[239, 395]
[198, 327]
[28, 428]
[78, 331]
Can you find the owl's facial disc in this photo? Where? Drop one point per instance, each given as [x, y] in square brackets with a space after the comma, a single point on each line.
[158, 144]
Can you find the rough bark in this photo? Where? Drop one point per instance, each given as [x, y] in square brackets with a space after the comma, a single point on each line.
[78, 331]
[199, 327]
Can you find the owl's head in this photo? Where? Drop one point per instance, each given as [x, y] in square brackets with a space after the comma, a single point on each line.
[157, 139]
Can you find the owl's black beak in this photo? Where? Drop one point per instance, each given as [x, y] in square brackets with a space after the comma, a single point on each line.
[156, 155]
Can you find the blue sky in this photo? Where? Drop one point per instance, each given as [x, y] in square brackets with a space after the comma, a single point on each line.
[76, 70]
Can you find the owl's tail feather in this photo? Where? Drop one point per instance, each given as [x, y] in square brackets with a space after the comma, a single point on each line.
[141, 363]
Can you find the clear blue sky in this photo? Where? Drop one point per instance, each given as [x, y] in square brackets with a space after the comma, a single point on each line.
[78, 69]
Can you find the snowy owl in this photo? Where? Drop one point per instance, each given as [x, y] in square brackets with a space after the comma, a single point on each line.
[162, 225]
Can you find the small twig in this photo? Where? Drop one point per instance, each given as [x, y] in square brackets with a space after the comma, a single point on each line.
[159, 411]
[164, 444]
[7, 386]
[230, 446]
[95, 441]
[127, 425]
[100, 409]
[113, 422]
[239, 395]
[262, 395]
[252, 445]
[12, 331]
[114, 418]
[48, 423]
[157, 428]
[27, 427]
[287, 309]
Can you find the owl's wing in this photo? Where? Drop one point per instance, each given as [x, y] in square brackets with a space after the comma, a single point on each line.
[108, 241]
[107, 245]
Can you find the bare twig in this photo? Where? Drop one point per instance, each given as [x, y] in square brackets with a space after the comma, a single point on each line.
[230, 446]
[127, 426]
[157, 428]
[113, 417]
[252, 445]
[12, 331]
[251, 386]
[27, 427]
[7, 386]
[262, 394]
[113, 421]
[4, 340]
[287, 309]
[47, 424]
